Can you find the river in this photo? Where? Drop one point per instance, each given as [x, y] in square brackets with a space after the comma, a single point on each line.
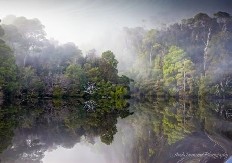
[107, 131]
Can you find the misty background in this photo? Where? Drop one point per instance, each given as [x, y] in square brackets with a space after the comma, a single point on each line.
[98, 24]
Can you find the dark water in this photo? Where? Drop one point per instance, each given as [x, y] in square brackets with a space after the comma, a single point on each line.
[106, 131]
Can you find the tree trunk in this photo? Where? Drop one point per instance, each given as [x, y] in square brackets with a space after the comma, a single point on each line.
[205, 51]
[24, 60]
[184, 79]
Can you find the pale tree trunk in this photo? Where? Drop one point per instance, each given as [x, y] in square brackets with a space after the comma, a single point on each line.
[24, 60]
[184, 79]
[184, 113]
[206, 49]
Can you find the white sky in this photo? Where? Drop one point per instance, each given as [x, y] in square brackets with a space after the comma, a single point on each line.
[82, 22]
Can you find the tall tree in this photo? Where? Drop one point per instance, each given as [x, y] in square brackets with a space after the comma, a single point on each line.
[109, 57]
[177, 71]
[8, 69]
[32, 34]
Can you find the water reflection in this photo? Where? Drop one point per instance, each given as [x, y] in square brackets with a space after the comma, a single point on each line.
[112, 131]
[30, 129]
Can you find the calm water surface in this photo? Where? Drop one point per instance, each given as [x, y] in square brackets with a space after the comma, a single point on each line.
[104, 131]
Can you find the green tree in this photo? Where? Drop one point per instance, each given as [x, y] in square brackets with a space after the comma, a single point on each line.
[75, 73]
[178, 72]
[109, 57]
[185, 77]
[77, 79]
[107, 71]
[8, 70]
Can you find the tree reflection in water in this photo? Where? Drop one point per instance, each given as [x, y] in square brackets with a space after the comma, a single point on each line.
[182, 131]
[30, 129]
[151, 131]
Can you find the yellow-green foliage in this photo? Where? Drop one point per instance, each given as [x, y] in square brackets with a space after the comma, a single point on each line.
[120, 91]
[120, 103]
[109, 90]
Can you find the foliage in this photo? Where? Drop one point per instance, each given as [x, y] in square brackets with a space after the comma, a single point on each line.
[8, 70]
[185, 59]
[109, 57]
[47, 69]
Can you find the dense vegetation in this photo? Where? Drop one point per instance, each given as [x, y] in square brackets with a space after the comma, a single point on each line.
[190, 58]
[33, 66]
[187, 59]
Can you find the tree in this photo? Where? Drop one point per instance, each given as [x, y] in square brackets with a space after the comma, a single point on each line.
[178, 71]
[30, 40]
[149, 43]
[67, 54]
[107, 71]
[31, 85]
[185, 77]
[219, 64]
[8, 70]
[109, 57]
[76, 75]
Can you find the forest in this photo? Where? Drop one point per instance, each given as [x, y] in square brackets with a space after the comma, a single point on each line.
[35, 67]
[186, 59]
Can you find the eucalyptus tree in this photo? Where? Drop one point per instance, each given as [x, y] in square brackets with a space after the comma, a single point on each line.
[178, 72]
[30, 34]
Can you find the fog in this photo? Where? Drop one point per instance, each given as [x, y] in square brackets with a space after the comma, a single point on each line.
[96, 23]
